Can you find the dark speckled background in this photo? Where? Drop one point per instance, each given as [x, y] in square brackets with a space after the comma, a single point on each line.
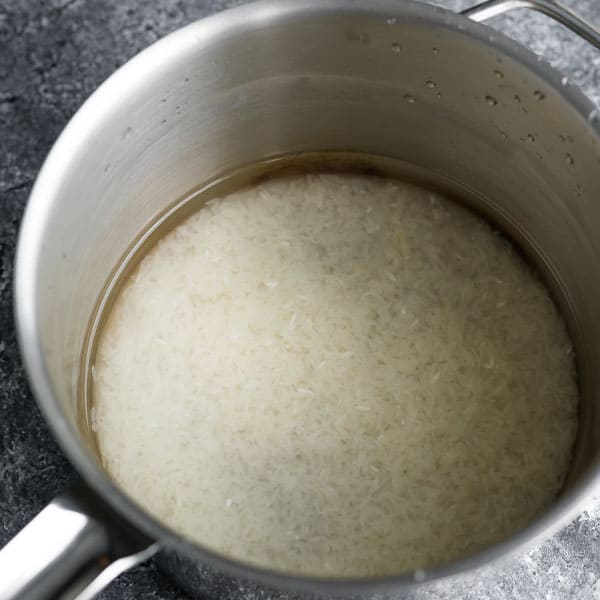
[53, 54]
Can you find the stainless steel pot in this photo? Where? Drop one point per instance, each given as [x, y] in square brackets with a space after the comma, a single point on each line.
[406, 81]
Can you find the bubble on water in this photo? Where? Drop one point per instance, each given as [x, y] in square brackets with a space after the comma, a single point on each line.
[539, 95]
[569, 158]
[438, 95]
[396, 47]
[491, 100]
[409, 98]
[538, 156]
[502, 134]
[431, 84]
[565, 80]
[436, 51]
[498, 74]
[517, 98]
[531, 137]
[391, 20]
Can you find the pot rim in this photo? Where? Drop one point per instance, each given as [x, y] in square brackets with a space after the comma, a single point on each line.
[99, 105]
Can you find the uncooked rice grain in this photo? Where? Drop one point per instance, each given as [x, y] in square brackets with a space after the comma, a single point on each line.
[336, 376]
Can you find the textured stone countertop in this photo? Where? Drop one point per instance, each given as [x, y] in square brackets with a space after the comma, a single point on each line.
[53, 54]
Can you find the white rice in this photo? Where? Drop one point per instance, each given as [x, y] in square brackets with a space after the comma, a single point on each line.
[336, 376]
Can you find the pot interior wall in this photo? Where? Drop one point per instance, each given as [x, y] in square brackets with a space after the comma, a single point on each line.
[395, 80]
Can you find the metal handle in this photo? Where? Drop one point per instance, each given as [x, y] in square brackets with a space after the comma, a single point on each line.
[70, 550]
[551, 8]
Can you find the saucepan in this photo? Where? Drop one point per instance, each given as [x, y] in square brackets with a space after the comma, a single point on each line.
[403, 81]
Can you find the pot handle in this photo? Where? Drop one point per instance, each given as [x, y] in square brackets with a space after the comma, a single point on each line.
[551, 8]
[71, 550]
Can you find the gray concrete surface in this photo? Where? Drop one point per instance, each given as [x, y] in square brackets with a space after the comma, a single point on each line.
[53, 54]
